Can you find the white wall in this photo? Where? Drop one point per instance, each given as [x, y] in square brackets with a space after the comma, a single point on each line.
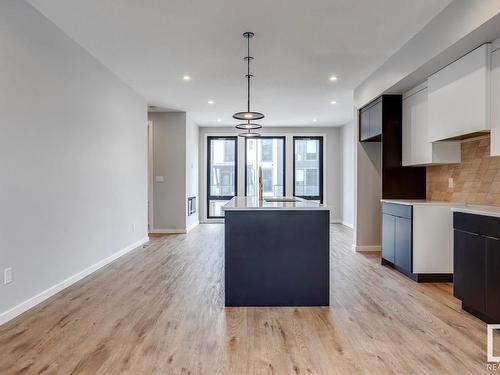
[169, 162]
[332, 163]
[192, 171]
[175, 158]
[73, 151]
[347, 141]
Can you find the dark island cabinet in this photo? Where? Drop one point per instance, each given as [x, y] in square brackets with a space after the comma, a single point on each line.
[476, 264]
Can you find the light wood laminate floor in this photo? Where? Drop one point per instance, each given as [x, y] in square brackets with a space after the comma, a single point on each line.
[160, 310]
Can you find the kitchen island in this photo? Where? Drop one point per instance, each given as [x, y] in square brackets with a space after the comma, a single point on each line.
[276, 252]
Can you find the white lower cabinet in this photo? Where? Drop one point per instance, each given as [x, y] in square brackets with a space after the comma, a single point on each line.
[433, 238]
[417, 238]
[417, 150]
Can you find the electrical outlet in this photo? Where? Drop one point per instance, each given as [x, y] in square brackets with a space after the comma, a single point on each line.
[7, 275]
[451, 184]
[133, 227]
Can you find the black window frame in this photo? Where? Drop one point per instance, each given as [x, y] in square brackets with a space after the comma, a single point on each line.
[321, 171]
[284, 159]
[220, 197]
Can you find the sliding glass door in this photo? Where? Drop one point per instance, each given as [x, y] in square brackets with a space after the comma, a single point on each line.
[221, 173]
[267, 153]
[308, 168]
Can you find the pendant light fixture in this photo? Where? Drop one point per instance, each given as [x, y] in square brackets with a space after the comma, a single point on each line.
[248, 115]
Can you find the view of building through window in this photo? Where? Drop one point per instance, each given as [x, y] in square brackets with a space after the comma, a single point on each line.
[308, 167]
[222, 173]
[269, 154]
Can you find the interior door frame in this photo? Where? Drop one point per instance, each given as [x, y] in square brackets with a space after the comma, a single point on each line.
[150, 133]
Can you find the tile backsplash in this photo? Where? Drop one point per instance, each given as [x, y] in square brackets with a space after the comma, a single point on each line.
[475, 180]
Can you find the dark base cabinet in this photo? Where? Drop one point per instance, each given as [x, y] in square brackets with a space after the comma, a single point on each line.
[493, 279]
[397, 243]
[469, 269]
[477, 264]
[397, 237]
[403, 249]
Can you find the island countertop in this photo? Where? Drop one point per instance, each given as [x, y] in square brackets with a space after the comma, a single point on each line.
[253, 203]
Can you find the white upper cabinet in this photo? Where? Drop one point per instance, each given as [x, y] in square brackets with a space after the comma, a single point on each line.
[459, 97]
[495, 99]
[417, 150]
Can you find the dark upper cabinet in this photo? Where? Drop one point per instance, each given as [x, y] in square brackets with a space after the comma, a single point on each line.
[381, 121]
[364, 124]
[403, 245]
[370, 122]
[388, 236]
[493, 279]
[376, 119]
[469, 269]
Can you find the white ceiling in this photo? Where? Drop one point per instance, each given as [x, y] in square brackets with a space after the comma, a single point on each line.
[299, 44]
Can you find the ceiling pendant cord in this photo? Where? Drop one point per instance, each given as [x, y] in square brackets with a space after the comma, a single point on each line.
[248, 116]
[248, 74]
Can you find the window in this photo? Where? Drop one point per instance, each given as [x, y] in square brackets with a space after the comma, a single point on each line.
[267, 153]
[221, 173]
[267, 149]
[267, 179]
[308, 167]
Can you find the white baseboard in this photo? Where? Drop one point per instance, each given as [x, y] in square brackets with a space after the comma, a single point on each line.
[366, 248]
[192, 226]
[47, 293]
[212, 221]
[168, 231]
[347, 224]
[338, 221]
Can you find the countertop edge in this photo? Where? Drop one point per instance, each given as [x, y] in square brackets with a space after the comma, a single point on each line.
[241, 203]
[410, 202]
[477, 211]
[323, 208]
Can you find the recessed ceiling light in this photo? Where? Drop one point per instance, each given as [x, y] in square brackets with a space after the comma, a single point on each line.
[334, 102]
[314, 120]
[333, 78]
[219, 120]
[186, 78]
[211, 102]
